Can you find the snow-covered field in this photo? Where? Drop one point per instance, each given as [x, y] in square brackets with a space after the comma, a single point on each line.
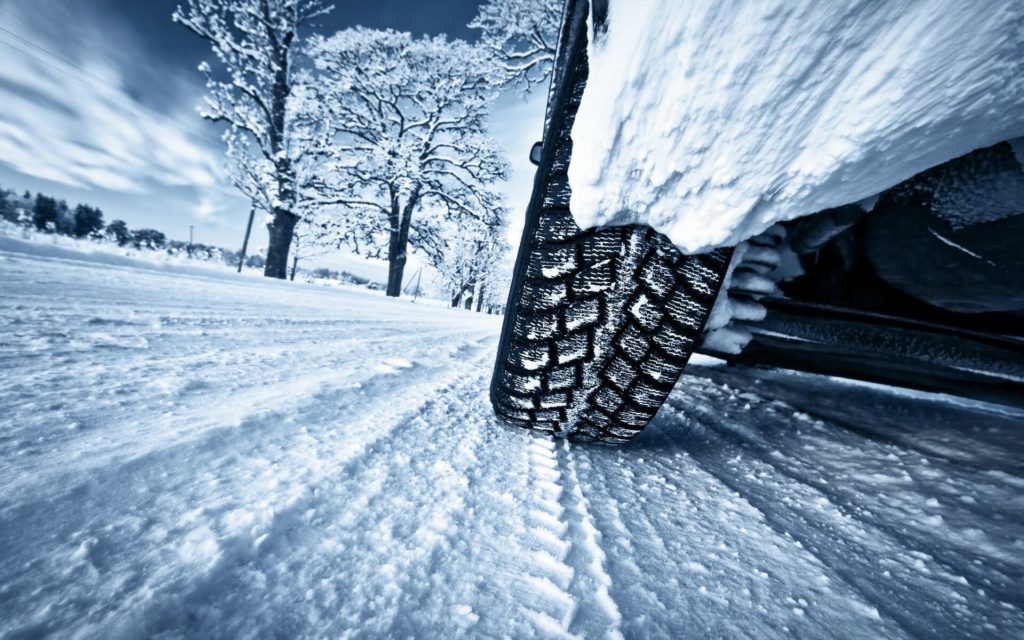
[205, 455]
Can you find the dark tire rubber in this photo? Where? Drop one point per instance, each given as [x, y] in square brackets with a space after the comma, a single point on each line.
[601, 322]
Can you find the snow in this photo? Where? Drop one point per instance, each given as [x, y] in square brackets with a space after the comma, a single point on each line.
[202, 454]
[751, 276]
[712, 120]
[958, 247]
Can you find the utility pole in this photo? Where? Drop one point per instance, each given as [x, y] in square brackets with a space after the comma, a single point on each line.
[190, 228]
[245, 243]
[418, 275]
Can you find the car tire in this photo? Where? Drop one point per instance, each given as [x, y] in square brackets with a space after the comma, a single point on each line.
[600, 322]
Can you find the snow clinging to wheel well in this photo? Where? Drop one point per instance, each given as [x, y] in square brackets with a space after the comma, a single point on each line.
[710, 121]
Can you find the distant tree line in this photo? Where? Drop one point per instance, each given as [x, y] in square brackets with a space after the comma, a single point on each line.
[50, 215]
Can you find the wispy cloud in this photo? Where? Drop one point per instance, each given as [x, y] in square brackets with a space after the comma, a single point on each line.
[208, 210]
[68, 117]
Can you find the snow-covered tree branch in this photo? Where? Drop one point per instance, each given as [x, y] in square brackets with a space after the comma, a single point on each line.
[248, 169]
[522, 35]
[251, 91]
[306, 243]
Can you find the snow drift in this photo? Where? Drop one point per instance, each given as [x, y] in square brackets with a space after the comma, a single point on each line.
[710, 121]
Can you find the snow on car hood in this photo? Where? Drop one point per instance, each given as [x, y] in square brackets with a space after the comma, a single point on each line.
[712, 120]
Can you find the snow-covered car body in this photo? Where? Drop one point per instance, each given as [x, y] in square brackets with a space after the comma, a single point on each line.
[605, 310]
[711, 121]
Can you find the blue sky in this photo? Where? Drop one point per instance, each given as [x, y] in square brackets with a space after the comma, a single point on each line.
[99, 106]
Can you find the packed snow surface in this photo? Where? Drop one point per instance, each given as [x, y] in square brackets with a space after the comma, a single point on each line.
[712, 120]
[190, 454]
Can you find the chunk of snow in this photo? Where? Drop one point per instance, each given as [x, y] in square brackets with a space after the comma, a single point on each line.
[711, 121]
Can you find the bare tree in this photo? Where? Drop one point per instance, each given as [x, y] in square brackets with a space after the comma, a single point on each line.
[255, 42]
[522, 36]
[407, 149]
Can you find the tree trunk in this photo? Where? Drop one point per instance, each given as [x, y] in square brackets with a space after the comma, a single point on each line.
[396, 267]
[281, 229]
[470, 288]
[295, 266]
[480, 298]
[282, 226]
[398, 242]
[457, 299]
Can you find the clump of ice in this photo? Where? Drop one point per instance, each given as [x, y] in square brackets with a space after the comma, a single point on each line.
[712, 120]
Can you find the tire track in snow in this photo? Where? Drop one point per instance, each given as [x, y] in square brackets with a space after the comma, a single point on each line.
[904, 584]
[486, 579]
[568, 573]
[497, 577]
[552, 608]
[951, 554]
[377, 524]
[706, 562]
[644, 560]
[637, 602]
[595, 614]
[311, 443]
[167, 419]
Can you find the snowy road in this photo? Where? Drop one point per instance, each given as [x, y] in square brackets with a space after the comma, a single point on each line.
[190, 455]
